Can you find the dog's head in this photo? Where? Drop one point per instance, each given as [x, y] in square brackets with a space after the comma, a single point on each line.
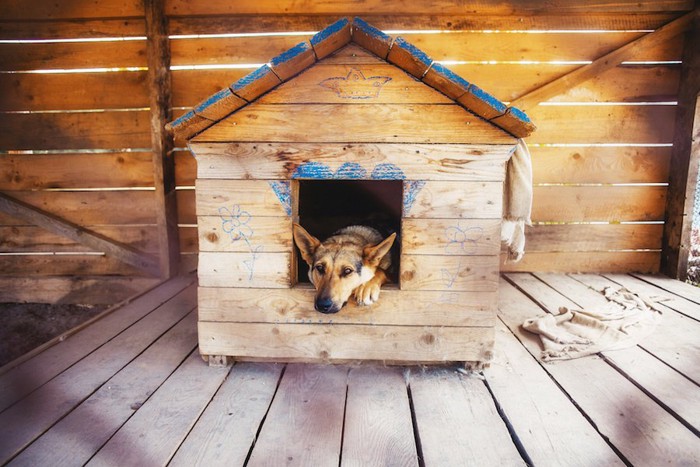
[338, 267]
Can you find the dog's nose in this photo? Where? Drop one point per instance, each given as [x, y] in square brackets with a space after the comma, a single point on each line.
[324, 305]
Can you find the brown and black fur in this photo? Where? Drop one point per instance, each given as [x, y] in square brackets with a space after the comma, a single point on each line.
[350, 263]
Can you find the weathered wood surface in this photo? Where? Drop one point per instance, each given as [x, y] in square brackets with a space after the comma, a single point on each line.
[418, 308]
[449, 273]
[587, 261]
[415, 123]
[325, 343]
[221, 197]
[255, 268]
[279, 161]
[440, 200]
[624, 407]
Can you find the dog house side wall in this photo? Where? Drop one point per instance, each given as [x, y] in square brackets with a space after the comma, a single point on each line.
[452, 166]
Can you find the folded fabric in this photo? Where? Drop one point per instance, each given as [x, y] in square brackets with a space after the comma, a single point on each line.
[627, 318]
[517, 201]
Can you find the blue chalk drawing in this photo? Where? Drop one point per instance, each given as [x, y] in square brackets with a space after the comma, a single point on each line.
[234, 222]
[411, 188]
[388, 171]
[462, 241]
[320, 171]
[284, 194]
[355, 85]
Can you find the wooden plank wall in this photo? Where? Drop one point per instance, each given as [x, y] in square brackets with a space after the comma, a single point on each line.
[76, 140]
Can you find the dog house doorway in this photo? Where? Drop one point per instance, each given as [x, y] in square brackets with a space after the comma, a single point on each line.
[325, 206]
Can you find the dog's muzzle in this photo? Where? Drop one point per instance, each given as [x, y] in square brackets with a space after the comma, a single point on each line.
[325, 305]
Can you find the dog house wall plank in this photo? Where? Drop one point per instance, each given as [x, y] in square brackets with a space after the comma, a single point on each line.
[449, 273]
[280, 161]
[345, 343]
[451, 236]
[371, 123]
[254, 197]
[356, 84]
[352, 54]
[257, 269]
[395, 307]
[439, 199]
[231, 231]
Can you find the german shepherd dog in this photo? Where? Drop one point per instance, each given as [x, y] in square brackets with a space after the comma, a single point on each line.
[352, 261]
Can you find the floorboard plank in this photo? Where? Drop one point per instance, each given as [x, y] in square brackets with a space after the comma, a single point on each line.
[640, 429]
[226, 431]
[25, 378]
[675, 340]
[687, 291]
[305, 422]
[78, 436]
[156, 430]
[378, 426]
[457, 421]
[671, 300]
[29, 418]
[549, 426]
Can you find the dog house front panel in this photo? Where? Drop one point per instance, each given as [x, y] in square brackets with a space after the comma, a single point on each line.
[443, 306]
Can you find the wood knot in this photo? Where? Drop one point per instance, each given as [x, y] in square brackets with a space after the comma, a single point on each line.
[407, 275]
[428, 339]
[212, 237]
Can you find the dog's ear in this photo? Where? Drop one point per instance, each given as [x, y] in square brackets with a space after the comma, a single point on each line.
[373, 254]
[306, 242]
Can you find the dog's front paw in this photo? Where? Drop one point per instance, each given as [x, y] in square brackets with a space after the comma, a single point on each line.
[367, 293]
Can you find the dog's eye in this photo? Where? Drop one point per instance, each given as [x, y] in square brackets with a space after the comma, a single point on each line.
[346, 272]
[320, 268]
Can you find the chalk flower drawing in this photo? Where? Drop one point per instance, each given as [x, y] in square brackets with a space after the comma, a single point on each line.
[234, 222]
[355, 85]
[462, 241]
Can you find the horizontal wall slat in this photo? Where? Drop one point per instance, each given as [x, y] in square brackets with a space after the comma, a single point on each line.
[253, 269]
[600, 164]
[274, 161]
[449, 273]
[254, 197]
[97, 28]
[598, 203]
[476, 46]
[592, 237]
[73, 91]
[90, 207]
[339, 123]
[301, 342]
[70, 170]
[450, 236]
[602, 124]
[35, 239]
[82, 130]
[437, 199]
[47, 10]
[55, 56]
[588, 261]
[61, 265]
[625, 83]
[219, 24]
[422, 7]
[217, 233]
[296, 306]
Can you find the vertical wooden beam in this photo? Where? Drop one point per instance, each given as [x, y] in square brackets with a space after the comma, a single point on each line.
[684, 160]
[159, 90]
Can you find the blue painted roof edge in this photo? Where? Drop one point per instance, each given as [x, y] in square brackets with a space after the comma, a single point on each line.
[413, 50]
[288, 55]
[251, 78]
[363, 26]
[450, 75]
[328, 31]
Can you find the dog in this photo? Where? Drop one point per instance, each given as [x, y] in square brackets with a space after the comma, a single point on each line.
[351, 262]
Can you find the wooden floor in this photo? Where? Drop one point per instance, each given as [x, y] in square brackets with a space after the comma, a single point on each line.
[131, 390]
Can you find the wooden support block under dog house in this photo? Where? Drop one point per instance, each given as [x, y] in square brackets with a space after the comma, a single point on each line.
[350, 134]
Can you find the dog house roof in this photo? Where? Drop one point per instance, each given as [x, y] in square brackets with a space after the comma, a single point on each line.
[396, 51]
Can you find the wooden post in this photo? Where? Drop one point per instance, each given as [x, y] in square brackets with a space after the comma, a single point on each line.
[684, 160]
[159, 90]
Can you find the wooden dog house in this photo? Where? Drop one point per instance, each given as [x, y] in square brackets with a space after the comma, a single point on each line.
[353, 105]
